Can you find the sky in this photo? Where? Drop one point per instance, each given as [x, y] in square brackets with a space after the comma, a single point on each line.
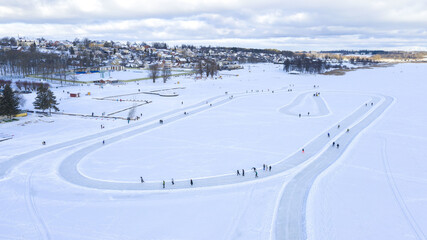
[282, 24]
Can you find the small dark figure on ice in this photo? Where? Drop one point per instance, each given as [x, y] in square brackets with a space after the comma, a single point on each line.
[173, 182]
[238, 173]
[338, 146]
[333, 144]
[269, 168]
[243, 172]
[142, 180]
[163, 183]
[191, 182]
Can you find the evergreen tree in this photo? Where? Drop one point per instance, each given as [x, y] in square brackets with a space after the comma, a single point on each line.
[45, 99]
[9, 102]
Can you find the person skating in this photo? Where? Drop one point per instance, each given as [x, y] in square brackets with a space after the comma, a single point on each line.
[142, 180]
[300, 115]
[348, 130]
[164, 183]
[191, 182]
[256, 174]
[308, 113]
[238, 173]
[173, 182]
[338, 146]
[103, 142]
[263, 167]
[269, 168]
[339, 126]
[243, 172]
[329, 135]
[333, 144]
[303, 150]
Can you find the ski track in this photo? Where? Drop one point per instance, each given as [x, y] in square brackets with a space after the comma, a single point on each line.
[69, 166]
[291, 211]
[7, 166]
[320, 104]
[290, 215]
[38, 221]
[398, 196]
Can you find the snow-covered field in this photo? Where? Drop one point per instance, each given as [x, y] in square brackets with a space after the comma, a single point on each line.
[76, 187]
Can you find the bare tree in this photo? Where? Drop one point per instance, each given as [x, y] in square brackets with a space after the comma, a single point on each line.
[154, 71]
[166, 73]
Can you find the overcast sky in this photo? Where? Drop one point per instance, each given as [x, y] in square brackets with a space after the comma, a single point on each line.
[281, 24]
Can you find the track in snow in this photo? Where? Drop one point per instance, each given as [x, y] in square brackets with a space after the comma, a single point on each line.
[69, 171]
[291, 212]
[322, 108]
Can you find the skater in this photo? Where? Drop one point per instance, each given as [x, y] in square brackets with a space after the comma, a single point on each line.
[243, 172]
[103, 142]
[269, 168]
[338, 146]
[163, 183]
[303, 150]
[329, 135]
[173, 182]
[263, 167]
[254, 168]
[366, 104]
[256, 174]
[339, 126]
[92, 114]
[191, 182]
[182, 102]
[300, 115]
[238, 173]
[43, 143]
[333, 144]
[348, 130]
[142, 180]
[372, 104]
[308, 113]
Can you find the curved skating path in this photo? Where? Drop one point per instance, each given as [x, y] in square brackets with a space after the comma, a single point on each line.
[8, 165]
[320, 104]
[291, 211]
[69, 167]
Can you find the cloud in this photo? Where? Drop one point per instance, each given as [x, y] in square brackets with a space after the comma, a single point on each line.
[284, 24]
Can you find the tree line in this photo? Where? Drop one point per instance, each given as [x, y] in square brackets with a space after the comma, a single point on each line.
[305, 64]
[19, 64]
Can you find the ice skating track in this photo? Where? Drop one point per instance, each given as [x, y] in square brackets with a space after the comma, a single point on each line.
[290, 215]
[290, 221]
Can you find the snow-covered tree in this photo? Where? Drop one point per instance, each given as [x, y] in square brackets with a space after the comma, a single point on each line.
[45, 99]
[9, 103]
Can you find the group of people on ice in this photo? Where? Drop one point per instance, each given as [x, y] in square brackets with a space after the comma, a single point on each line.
[265, 167]
[172, 182]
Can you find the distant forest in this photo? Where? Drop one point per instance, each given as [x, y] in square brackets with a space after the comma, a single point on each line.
[305, 64]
